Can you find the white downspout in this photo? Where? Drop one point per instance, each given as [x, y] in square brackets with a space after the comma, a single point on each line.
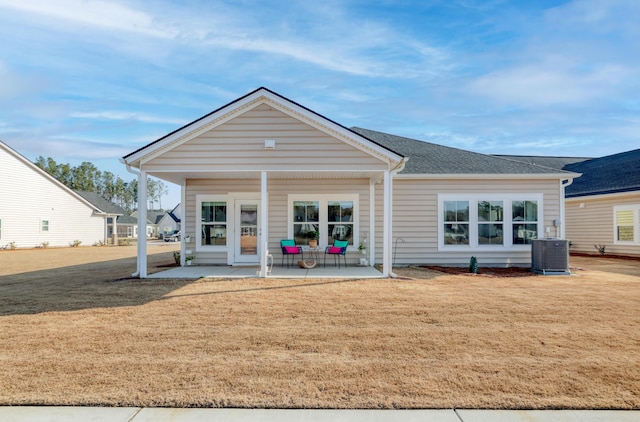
[142, 221]
[563, 185]
[388, 216]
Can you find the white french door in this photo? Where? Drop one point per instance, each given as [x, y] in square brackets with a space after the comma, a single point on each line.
[247, 231]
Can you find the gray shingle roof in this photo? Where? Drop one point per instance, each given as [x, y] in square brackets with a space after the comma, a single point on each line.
[553, 162]
[611, 174]
[100, 203]
[428, 158]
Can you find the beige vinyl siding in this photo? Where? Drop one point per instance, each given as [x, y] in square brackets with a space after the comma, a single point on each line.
[415, 219]
[238, 145]
[278, 191]
[27, 197]
[593, 224]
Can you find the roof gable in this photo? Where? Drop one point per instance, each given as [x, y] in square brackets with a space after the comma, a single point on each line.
[31, 166]
[241, 105]
[611, 174]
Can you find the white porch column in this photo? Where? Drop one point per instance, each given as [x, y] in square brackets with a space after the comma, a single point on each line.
[114, 235]
[372, 222]
[386, 247]
[264, 227]
[142, 224]
[183, 225]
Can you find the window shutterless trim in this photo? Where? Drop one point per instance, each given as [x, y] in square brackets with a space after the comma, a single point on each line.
[507, 221]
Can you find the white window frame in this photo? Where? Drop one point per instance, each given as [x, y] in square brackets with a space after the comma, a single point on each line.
[42, 226]
[323, 203]
[473, 199]
[212, 198]
[636, 224]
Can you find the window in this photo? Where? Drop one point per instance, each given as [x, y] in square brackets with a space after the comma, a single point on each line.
[306, 219]
[525, 222]
[626, 220]
[488, 221]
[213, 223]
[456, 226]
[44, 225]
[334, 217]
[340, 221]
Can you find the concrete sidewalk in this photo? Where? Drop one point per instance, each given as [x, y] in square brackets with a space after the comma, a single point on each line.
[137, 414]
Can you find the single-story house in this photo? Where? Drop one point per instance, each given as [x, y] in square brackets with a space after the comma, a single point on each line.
[264, 168]
[603, 206]
[37, 210]
[170, 221]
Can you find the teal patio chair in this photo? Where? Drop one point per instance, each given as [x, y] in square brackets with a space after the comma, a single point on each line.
[289, 248]
[339, 248]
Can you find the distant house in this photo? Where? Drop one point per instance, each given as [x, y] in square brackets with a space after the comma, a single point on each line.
[153, 218]
[264, 168]
[170, 221]
[603, 206]
[37, 210]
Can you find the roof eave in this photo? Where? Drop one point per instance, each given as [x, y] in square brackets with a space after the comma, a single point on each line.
[539, 176]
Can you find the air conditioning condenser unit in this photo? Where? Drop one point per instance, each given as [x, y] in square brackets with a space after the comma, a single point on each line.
[550, 256]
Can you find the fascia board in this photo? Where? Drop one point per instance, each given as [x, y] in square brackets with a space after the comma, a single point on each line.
[584, 198]
[462, 176]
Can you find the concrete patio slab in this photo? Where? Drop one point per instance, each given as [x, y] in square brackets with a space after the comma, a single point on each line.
[225, 271]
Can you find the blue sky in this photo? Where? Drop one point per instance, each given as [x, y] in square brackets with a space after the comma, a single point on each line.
[94, 80]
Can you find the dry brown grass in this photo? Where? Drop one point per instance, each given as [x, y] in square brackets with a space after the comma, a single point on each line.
[72, 336]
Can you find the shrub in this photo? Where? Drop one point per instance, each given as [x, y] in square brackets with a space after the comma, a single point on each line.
[75, 243]
[600, 248]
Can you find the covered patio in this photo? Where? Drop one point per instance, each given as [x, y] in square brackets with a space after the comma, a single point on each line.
[263, 169]
[228, 271]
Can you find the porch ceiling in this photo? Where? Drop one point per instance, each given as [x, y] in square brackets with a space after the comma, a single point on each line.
[179, 177]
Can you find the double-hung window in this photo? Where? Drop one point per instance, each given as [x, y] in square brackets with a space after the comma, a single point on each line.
[333, 217]
[626, 221]
[488, 221]
[525, 221]
[211, 218]
[44, 225]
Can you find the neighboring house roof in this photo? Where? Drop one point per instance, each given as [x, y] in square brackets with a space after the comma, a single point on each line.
[155, 216]
[552, 162]
[173, 216]
[428, 158]
[611, 174]
[98, 201]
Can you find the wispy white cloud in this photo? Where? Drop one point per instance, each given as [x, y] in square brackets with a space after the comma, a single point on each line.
[96, 13]
[122, 115]
[549, 84]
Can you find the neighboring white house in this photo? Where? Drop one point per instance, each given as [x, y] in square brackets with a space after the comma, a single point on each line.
[36, 209]
[264, 168]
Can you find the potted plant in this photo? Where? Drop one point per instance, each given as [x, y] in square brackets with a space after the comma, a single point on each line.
[313, 236]
[188, 259]
[362, 248]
